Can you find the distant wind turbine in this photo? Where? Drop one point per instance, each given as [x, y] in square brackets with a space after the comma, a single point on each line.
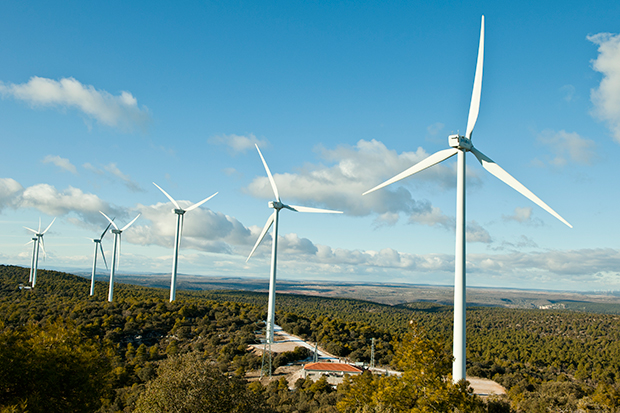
[277, 205]
[460, 145]
[97, 242]
[37, 240]
[177, 236]
[116, 251]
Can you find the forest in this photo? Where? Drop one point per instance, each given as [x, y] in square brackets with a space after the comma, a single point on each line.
[63, 351]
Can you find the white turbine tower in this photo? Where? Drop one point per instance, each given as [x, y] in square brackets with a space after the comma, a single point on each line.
[177, 236]
[460, 145]
[37, 240]
[98, 246]
[277, 205]
[116, 251]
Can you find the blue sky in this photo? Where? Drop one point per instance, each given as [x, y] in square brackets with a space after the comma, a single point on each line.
[98, 100]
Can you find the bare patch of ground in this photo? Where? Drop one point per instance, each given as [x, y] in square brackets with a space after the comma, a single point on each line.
[485, 387]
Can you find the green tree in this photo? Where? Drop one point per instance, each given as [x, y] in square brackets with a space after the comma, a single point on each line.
[50, 367]
[190, 383]
[425, 384]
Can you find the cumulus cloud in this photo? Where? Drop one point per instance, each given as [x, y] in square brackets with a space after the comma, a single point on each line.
[10, 190]
[568, 147]
[62, 163]
[351, 170]
[119, 111]
[237, 143]
[523, 216]
[51, 201]
[203, 229]
[606, 98]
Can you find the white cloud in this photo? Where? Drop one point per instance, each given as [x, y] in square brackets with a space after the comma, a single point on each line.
[435, 128]
[568, 147]
[476, 233]
[522, 215]
[62, 163]
[53, 202]
[126, 179]
[569, 92]
[10, 190]
[237, 143]
[606, 97]
[203, 229]
[115, 174]
[354, 170]
[119, 111]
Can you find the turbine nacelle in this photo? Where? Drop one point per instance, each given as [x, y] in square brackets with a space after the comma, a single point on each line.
[116, 231]
[179, 211]
[277, 205]
[460, 142]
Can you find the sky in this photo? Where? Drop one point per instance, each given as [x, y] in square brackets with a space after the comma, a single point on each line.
[98, 100]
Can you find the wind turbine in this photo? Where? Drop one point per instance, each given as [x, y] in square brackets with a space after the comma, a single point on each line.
[37, 240]
[97, 246]
[177, 236]
[277, 205]
[460, 145]
[116, 251]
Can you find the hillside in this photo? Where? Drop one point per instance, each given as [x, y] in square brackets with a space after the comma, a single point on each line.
[547, 359]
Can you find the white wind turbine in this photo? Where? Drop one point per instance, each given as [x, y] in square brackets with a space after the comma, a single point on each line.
[460, 145]
[37, 240]
[177, 236]
[98, 246]
[277, 205]
[116, 251]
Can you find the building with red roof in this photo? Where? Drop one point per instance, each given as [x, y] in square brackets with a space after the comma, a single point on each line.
[315, 370]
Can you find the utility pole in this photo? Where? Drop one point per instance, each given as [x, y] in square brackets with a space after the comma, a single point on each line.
[372, 353]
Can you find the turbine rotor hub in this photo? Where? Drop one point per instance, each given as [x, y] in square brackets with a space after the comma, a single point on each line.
[460, 142]
[276, 205]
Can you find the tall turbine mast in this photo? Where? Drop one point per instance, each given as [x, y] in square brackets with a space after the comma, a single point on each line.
[460, 145]
[180, 212]
[277, 206]
[98, 246]
[116, 251]
[38, 242]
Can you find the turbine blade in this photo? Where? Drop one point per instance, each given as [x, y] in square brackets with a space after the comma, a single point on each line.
[132, 221]
[106, 230]
[493, 168]
[200, 203]
[474, 107]
[168, 196]
[108, 218]
[48, 227]
[271, 180]
[42, 244]
[30, 229]
[298, 208]
[103, 256]
[263, 233]
[420, 166]
[39, 224]
[29, 242]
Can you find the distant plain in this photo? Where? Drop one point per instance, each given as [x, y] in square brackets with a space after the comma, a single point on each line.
[391, 293]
